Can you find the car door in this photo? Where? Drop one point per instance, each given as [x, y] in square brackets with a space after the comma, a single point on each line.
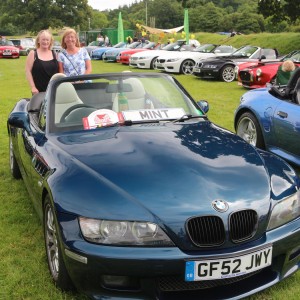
[287, 127]
[26, 146]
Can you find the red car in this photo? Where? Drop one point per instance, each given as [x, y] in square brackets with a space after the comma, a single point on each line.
[125, 55]
[258, 75]
[8, 50]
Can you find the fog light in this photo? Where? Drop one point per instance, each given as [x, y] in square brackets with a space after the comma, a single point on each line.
[120, 282]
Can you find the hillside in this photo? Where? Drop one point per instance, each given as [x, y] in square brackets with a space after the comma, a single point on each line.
[284, 42]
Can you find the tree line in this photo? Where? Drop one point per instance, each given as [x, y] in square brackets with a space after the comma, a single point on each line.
[251, 16]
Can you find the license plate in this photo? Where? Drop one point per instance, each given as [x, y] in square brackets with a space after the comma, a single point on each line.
[197, 70]
[228, 267]
[6, 52]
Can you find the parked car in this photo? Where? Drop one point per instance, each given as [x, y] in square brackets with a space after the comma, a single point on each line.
[56, 46]
[111, 54]
[258, 75]
[98, 53]
[8, 50]
[268, 118]
[24, 45]
[223, 68]
[124, 56]
[147, 59]
[141, 196]
[94, 45]
[184, 61]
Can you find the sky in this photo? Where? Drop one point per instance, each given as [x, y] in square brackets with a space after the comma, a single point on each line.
[109, 4]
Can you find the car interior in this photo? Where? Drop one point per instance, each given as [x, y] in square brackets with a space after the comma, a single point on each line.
[291, 91]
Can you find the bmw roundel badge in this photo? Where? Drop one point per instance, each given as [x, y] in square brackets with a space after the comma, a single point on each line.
[220, 205]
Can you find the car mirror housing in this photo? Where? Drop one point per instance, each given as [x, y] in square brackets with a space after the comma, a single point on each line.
[20, 120]
[203, 104]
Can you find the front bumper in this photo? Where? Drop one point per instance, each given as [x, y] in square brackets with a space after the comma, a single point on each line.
[158, 273]
[206, 73]
[168, 67]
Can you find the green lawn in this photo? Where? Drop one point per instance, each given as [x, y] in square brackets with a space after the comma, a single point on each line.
[23, 269]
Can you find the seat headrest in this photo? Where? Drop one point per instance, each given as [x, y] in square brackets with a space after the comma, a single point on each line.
[66, 93]
[137, 88]
[57, 76]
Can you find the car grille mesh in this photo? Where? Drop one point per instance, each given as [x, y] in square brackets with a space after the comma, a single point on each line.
[176, 283]
[242, 225]
[245, 76]
[208, 231]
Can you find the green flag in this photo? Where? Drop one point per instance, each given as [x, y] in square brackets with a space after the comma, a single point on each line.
[120, 29]
[186, 25]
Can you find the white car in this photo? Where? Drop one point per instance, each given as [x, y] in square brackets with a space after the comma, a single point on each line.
[146, 59]
[184, 61]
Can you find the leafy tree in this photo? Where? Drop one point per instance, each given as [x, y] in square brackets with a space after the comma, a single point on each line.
[34, 15]
[292, 9]
[98, 20]
[280, 10]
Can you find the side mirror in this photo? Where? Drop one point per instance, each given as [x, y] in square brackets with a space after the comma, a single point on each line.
[262, 57]
[20, 120]
[204, 106]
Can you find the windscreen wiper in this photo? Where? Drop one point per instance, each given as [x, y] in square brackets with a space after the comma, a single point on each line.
[187, 117]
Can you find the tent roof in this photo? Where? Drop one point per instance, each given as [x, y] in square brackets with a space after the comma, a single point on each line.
[157, 30]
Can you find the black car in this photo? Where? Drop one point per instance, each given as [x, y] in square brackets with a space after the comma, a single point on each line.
[223, 67]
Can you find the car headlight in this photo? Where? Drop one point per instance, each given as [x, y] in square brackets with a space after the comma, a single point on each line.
[210, 66]
[285, 211]
[124, 233]
[172, 59]
[143, 57]
[258, 72]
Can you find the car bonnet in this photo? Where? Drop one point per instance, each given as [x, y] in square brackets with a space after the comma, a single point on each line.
[180, 167]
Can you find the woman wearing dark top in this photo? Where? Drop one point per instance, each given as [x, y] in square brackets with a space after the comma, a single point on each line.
[41, 63]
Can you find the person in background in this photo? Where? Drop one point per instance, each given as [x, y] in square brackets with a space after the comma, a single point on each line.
[284, 73]
[129, 40]
[73, 60]
[106, 41]
[41, 63]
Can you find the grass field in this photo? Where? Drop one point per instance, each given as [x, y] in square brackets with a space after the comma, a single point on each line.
[23, 270]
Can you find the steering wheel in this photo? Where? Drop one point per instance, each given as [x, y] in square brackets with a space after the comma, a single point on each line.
[76, 113]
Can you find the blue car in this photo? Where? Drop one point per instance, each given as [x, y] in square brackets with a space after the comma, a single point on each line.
[111, 54]
[141, 196]
[269, 118]
[98, 53]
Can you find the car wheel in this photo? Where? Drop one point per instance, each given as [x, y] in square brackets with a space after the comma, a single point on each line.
[248, 129]
[228, 74]
[153, 63]
[187, 67]
[55, 261]
[14, 168]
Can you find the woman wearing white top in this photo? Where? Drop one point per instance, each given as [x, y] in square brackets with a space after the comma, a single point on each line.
[73, 60]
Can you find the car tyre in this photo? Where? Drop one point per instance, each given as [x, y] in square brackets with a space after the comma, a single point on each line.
[14, 168]
[55, 260]
[248, 129]
[187, 67]
[228, 73]
[153, 63]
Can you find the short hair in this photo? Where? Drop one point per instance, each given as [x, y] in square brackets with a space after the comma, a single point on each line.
[67, 32]
[38, 37]
[288, 66]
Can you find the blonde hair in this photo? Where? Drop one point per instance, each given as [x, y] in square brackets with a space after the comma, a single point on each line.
[288, 66]
[38, 37]
[67, 32]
